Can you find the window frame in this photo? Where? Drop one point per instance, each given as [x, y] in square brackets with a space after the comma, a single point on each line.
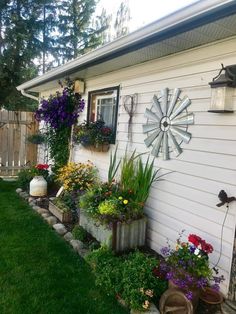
[98, 91]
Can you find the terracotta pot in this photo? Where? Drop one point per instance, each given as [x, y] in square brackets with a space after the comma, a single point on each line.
[211, 296]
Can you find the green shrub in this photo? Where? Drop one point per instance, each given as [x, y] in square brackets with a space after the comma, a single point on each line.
[131, 276]
[24, 178]
[37, 138]
[79, 233]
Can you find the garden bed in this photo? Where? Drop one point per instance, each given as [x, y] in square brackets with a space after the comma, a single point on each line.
[61, 215]
[120, 236]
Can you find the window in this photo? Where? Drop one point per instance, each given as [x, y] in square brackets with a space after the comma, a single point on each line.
[103, 105]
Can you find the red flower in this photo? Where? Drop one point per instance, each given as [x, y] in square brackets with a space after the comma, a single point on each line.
[206, 247]
[194, 239]
[42, 166]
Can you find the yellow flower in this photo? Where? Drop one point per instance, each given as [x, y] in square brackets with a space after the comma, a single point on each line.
[120, 198]
[125, 202]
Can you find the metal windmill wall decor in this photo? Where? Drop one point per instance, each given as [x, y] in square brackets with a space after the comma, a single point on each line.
[167, 123]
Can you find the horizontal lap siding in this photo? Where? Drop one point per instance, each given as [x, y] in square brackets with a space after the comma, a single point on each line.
[187, 198]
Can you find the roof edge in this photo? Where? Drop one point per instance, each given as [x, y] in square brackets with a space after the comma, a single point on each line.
[194, 15]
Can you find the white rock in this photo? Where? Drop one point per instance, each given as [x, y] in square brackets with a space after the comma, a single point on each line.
[18, 190]
[36, 208]
[51, 220]
[45, 215]
[60, 228]
[68, 236]
[76, 244]
[31, 199]
[42, 211]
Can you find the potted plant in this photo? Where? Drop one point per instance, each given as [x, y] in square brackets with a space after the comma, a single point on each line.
[187, 267]
[37, 138]
[75, 179]
[95, 135]
[38, 185]
[113, 211]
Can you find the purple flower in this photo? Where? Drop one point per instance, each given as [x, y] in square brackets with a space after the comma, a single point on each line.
[189, 295]
[165, 251]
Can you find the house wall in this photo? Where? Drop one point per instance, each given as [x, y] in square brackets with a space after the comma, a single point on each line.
[187, 197]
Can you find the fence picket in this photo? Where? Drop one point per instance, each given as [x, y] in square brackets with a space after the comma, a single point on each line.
[15, 151]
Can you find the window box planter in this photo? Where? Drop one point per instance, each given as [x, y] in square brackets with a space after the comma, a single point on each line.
[120, 236]
[104, 147]
[61, 215]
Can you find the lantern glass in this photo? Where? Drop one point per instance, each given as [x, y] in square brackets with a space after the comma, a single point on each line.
[221, 99]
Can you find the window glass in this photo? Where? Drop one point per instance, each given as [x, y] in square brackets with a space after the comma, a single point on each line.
[103, 106]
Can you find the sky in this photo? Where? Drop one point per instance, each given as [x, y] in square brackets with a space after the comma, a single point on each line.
[144, 12]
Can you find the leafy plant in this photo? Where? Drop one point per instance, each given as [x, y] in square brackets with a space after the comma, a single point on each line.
[60, 112]
[77, 177]
[187, 266]
[62, 206]
[37, 138]
[130, 277]
[79, 233]
[93, 133]
[24, 178]
[113, 166]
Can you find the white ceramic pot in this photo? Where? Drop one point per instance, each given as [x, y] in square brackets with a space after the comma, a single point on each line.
[38, 186]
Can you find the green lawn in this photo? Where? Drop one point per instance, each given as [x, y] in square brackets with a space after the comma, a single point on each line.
[39, 272]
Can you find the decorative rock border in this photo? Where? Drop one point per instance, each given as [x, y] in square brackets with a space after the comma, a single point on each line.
[77, 245]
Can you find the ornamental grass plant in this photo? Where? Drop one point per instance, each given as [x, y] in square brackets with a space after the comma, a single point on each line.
[122, 200]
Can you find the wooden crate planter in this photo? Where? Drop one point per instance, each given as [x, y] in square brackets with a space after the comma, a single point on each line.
[62, 216]
[120, 237]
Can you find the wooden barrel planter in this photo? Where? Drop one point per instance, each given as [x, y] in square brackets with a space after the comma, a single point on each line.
[120, 236]
[175, 301]
[195, 293]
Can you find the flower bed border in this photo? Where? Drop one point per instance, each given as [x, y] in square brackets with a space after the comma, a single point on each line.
[120, 237]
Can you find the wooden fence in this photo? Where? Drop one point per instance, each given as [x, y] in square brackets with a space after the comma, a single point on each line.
[15, 151]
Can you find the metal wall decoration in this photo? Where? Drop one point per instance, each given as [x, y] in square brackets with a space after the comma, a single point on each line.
[167, 123]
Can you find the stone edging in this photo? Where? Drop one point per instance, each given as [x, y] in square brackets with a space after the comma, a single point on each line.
[77, 245]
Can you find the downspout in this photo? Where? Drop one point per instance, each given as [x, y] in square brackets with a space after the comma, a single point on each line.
[29, 95]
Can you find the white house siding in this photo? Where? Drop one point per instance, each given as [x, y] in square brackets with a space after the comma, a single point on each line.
[187, 198]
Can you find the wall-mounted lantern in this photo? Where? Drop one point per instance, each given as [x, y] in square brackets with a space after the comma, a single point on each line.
[222, 90]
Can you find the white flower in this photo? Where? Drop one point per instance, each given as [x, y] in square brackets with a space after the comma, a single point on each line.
[197, 251]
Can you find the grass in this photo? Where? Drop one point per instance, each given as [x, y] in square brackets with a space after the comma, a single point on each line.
[39, 272]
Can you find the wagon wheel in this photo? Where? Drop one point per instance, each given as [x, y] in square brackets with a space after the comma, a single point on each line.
[175, 302]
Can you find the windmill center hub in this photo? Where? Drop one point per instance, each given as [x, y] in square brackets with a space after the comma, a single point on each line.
[165, 124]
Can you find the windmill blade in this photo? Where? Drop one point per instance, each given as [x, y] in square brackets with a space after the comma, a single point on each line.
[165, 147]
[157, 146]
[150, 115]
[150, 127]
[157, 106]
[183, 120]
[164, 100]
[174, 145]
[184, 135]
[173, 100]
[149, 140]
[185, 102]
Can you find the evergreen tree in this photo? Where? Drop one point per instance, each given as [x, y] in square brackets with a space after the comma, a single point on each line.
[122, 20]
[78, 34]
[17, 50]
